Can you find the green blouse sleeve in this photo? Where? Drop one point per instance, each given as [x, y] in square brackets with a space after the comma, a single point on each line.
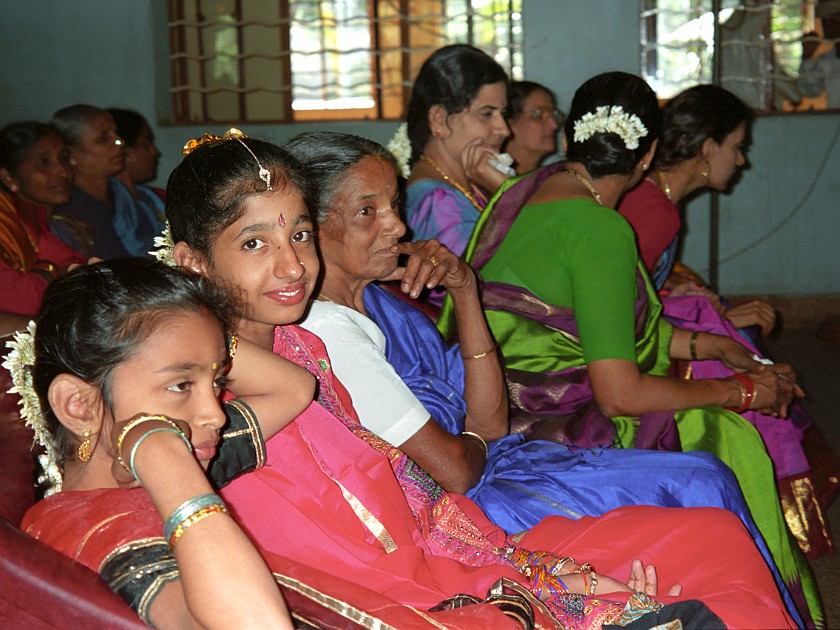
[602, 264]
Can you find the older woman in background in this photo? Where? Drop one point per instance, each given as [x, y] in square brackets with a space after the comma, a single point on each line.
[35, 173]
[96, 155]
[141, 157]
[533, 119]
[438, 403]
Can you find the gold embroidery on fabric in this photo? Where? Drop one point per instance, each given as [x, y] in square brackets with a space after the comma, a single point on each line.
[159, 582]
[259, 445]
[131, 546]
[369, 520]
[93, 529]
[796, 513]
[331, 603]
[501, 584]
[152, 592]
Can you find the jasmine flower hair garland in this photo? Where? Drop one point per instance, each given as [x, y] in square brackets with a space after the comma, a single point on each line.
[400, 148]
[20, 362]
[611, 119]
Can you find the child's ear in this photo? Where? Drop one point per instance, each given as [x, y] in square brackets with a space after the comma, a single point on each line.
[76, 404]
[186, 256]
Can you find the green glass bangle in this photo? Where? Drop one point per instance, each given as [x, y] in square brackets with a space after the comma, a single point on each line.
[176, 431]
[187, 509]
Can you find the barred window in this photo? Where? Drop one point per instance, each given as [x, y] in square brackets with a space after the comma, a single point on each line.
[291, 60]
[761, 45]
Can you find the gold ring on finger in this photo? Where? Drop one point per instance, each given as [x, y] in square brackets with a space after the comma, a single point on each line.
[433, 259]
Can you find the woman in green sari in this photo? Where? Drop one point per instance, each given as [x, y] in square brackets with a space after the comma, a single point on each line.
[578, 321]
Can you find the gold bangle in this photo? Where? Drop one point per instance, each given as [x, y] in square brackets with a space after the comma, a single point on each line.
[479, 355]
[134, 423]
[584, 570]
[692, 345]
[193, 519]
[232, 345]
[479, 438]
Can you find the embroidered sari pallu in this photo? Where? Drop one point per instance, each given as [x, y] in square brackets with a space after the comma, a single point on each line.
[551, 396]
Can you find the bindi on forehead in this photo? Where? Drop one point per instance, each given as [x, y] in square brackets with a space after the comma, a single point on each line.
[281, 220]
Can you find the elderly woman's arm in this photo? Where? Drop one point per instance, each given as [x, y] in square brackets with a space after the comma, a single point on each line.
[485, 389]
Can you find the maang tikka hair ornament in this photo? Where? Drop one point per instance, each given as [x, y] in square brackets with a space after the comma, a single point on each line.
[164, 249]
[230, 134]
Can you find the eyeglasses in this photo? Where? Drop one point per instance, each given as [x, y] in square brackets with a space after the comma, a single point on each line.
[543, 115]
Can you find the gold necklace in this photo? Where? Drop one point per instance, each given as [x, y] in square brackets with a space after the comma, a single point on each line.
[589, 186]
[452, 182]
[663, 184]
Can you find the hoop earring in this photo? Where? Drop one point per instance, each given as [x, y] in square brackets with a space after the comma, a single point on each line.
[84, 449]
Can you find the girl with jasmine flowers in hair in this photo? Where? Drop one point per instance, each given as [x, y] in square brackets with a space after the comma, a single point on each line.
[122, 389]
[338, 497]
[579, 323]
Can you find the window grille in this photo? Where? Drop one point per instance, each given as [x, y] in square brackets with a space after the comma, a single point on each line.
[760, 45]
[288, 60]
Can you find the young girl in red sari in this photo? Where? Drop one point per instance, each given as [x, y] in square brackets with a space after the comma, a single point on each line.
[129, 358]
[334, 496]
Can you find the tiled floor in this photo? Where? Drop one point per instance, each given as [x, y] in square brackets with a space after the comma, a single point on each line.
[817, 363]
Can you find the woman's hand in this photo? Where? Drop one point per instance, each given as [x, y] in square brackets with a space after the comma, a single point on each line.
[643, 580]
[732, 354]
[775, 389]
[755, 313]
[431, 264]
[476, 161]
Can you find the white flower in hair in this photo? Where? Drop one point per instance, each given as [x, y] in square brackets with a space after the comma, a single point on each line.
[20, 362]
[400, 148]
[611, 119]
[164, 249]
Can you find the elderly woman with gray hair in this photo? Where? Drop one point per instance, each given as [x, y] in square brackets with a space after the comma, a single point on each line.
[97, 154]
[446, 406]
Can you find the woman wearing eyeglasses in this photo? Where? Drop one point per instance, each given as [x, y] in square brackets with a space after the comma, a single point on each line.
[533, 119]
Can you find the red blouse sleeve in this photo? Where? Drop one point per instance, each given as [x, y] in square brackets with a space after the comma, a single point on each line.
[655, 220]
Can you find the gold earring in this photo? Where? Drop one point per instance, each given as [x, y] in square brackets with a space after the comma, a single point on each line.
[84, 449]
[705, 171]
[644, 166]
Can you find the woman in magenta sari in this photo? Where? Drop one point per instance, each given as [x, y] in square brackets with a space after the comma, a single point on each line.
[335, 495]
